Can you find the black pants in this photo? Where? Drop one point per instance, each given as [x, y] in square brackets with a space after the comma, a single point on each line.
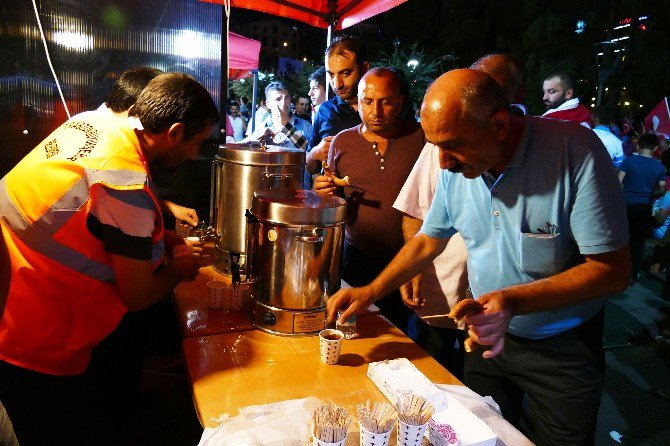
[562, 376]
[640, 223]
[359, 269]
[445, 345]
[44, 409]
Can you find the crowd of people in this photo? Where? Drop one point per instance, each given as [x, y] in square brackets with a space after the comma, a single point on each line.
[477, 200]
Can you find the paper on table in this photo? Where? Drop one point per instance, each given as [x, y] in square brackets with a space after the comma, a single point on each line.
[486, 409]
[286, 423]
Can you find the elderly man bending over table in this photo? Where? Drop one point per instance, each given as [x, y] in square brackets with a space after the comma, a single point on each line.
[524, 194]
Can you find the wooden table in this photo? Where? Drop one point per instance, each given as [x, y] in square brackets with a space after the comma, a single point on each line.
[234, 370]
[197, 319]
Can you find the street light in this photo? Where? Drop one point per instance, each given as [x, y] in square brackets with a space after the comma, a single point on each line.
[412, 63]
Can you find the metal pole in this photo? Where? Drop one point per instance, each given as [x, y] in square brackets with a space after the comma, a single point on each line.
[254, 93]
[223, 95]
[329, 38]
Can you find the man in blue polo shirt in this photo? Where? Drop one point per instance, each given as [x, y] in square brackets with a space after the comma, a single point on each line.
[346, 62]
[544, 222]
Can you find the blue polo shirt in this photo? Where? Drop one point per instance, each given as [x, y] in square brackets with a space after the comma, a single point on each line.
[642, 177]
[331, 118]
[560, 176]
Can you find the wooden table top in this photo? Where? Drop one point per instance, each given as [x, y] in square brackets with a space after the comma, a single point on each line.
[235, 370]
[197, 319]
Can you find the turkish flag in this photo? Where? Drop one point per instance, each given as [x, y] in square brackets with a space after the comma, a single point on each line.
[658, 121]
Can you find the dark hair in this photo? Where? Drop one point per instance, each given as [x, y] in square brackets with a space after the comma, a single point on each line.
[567, 81]
[319, 75]
[128, 87]
[340, 44]
[175, 97]
[234, 104]
[303, 96]
[507, 70]
[275, 86]
[647, 141]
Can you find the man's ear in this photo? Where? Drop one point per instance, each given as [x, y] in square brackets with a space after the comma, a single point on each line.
[175, 133]
[569, 93]
[365, 66]
[501, 121]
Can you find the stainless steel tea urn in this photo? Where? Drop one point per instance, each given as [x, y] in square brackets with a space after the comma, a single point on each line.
[238, 171]
[295, 246]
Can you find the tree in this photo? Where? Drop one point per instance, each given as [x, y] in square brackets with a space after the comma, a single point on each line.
[419, 75]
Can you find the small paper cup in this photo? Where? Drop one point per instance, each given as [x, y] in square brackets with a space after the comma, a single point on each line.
[330, 342]
[236, 299]
[372, 439]
[217, 293]
[325, 443]
[409, 434]
[192, 241]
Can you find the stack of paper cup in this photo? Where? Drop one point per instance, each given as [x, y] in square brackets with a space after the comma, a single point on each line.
[409, 434]
[330, 342]
[374, 439]
[217, 293]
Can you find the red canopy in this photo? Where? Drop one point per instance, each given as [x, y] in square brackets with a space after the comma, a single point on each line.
[318, 13]
[243, 56]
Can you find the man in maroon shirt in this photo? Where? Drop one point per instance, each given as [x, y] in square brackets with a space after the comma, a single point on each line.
[377, 156]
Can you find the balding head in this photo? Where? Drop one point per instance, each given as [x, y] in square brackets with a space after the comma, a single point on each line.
[380, 101]
[464, 113]
[463, 94]
[507, 71]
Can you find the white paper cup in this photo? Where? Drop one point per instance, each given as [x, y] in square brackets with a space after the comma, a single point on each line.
[372, 439]
[192, 241]
[217, 293]
[330, 342]
[325, 443]
[236, 298]
[410, 435]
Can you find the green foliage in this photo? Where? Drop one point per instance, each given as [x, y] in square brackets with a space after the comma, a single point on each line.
[296, 83]
[420, 77]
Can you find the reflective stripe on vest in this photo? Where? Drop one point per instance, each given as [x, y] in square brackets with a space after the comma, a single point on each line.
[38, 236]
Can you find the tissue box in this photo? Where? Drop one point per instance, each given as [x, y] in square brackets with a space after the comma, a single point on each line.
[452, 424]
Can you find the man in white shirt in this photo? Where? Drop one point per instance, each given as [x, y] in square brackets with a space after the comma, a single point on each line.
[237, 121]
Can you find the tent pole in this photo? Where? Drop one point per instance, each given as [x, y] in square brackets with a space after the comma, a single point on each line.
[329, 37]
[254, 93]
[223, 95]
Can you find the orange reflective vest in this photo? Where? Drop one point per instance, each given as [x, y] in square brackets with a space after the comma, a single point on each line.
[62, 298]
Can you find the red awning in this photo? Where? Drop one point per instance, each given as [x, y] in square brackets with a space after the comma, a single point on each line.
[244, 54]
[318, 12]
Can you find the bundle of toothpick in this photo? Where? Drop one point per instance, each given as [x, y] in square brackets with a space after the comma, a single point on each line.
[378, 420]
[331, 423]
[415, 410]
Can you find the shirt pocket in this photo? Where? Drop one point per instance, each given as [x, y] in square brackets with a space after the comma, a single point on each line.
[538, 254]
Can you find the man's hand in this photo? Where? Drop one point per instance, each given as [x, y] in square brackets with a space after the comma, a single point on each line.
[324, 185]
[279, 117]
[318, 153]
[350, 301]
[490, 326]
[185, 268]
[410, 293]
[182, 213]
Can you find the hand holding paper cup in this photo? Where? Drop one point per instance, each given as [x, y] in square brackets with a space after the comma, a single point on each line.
[330, 342]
